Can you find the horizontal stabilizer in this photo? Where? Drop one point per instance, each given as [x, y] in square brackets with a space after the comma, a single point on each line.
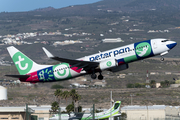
[18, 76]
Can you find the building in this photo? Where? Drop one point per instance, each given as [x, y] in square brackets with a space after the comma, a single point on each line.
[3, 93]
[144, 112]
[10, 113]
[100, 84]
[20, 113]
[112, 40]
[121, 76]
[173, 111]
[158, 85]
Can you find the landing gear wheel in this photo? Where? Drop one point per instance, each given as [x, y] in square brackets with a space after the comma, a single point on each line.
[93, 76]
[100, 77]
[162, 59]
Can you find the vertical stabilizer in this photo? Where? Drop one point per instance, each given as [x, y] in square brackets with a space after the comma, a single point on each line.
[114, 110]
[22, 62]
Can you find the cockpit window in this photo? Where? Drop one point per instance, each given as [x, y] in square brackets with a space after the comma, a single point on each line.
[116, 105]
[164, 40]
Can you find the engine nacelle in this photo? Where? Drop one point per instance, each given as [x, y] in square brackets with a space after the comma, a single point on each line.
[108, 64]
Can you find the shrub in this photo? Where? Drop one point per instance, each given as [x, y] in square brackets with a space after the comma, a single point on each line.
[56, 87]
[129, 85]
[70, 108]
[54, 106]
[123, 116]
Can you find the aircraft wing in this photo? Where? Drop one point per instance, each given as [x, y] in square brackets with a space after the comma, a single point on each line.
[86, 65]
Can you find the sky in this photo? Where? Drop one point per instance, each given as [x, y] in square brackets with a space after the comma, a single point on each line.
[28, 5]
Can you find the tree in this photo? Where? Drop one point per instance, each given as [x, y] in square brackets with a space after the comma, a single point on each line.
[153, 83]
[75, 99]
[70, 108]
[65, 95]
[167, 82]
[58, 94]
[79, 108]
[137, 85]
[130, 85]
[162, 83]
[73, 94]
[54, 106]
[123, 116]
[56, 86]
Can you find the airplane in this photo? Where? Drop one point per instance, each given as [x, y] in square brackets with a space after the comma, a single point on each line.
[113, 60]
[114, 110]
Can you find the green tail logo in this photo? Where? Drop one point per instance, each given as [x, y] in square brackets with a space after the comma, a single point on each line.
[23, 63]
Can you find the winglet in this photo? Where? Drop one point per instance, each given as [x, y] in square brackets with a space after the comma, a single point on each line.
[47, 52]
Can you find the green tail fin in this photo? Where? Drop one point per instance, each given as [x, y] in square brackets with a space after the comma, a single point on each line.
[22, 62]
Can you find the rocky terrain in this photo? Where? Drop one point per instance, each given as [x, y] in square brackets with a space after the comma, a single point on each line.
[100, 97]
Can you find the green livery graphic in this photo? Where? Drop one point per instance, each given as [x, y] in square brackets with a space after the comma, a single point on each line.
[45, 74]
[109, 63]
[143, 49]
[62, 71]
[23, 63]
[63, 74]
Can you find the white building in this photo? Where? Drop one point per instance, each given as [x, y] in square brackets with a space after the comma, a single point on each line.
[112, 40]
[144, 112]
[3, 93]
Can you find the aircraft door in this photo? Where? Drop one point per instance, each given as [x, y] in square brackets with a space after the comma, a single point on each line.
[154, 44]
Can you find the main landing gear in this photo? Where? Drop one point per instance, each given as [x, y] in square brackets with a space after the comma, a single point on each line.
[100, 77]
[94, 76]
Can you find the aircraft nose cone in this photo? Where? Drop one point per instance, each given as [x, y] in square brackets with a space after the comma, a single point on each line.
[171, 45]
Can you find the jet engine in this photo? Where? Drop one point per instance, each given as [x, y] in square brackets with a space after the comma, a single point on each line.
[108, 64]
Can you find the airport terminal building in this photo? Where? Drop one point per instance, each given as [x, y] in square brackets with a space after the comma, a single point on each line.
[135, 112]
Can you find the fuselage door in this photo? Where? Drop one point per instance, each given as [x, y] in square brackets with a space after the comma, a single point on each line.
[154, 44]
